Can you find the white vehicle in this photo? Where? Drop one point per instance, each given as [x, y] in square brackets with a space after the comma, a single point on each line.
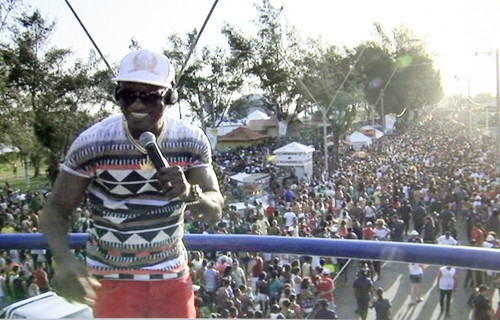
[46, 306]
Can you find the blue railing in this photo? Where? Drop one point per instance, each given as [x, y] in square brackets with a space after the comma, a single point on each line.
[458, 256]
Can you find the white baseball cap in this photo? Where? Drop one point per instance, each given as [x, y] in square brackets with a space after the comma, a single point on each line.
[146, 66]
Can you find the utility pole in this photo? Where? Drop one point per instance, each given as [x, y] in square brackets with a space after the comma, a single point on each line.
[383, 108]
[497, 113]
[325, 142]
[382, 91]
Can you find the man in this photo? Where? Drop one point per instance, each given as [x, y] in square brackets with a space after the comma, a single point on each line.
[255, 268]
[416, 277]
[382, 306]
[447, 280]
[418, 215]
[414, 237]
[397, 227]
[363, 288]
[324, 312]
[138, 210]
[290, 219]
[325, 287]
[482, 306]
[447, 239]
[211, 281]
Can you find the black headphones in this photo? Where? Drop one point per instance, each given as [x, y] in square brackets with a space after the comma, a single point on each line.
[169, 98]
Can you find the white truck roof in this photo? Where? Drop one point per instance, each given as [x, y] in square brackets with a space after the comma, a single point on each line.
[46, 306]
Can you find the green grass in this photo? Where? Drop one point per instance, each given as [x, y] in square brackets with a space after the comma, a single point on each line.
[19, 180]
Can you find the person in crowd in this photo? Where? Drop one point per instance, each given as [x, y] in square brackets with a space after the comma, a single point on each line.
[482, 305]
[447, 239]
[363, 288]
[447, 281]
[42, 277]
[324, 311]
[325, 287]
[416, 277]
[382, 306]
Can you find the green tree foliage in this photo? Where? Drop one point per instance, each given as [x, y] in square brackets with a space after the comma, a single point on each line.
[273, 58]
[333, 87]
[208, 84]
[399, 73]
[47, 103]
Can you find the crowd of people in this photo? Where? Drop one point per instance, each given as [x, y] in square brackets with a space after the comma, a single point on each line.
[433, 183]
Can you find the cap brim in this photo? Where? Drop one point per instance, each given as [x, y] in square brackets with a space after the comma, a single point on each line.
[151, 82]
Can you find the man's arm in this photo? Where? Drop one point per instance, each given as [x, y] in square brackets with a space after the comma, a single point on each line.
[71, 280]
[211, 199]
[67, 193]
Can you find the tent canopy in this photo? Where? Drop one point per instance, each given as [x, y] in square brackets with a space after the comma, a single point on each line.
[244, 177]
[359, 137]
[294, 147]
[242, 134]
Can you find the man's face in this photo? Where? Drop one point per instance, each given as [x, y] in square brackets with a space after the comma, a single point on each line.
[142, 106]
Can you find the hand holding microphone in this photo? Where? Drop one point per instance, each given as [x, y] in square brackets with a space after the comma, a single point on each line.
[172, 179]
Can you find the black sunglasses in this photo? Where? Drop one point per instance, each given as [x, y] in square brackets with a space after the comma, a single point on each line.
[148, 98]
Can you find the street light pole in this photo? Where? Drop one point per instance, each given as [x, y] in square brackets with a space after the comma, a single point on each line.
[382, 107]
[497, 113]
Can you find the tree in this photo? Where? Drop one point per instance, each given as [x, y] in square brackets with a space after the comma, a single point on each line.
[207, 84]
[400, 77]
[334, 88]
[47, 103]
[273, 58]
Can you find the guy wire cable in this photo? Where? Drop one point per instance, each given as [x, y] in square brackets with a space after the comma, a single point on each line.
[90, 37]
[194, 43]
[185, 61]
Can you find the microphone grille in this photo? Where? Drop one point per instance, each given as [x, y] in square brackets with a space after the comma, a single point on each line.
[147, 138]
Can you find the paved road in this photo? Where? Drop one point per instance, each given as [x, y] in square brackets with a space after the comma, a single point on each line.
[396, 283]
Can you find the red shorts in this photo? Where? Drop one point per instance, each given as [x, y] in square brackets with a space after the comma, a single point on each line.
[145, 299]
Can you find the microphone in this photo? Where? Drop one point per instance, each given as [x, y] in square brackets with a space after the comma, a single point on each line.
[148, 141]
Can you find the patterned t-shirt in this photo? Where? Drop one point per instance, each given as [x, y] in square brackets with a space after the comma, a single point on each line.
[137, 233]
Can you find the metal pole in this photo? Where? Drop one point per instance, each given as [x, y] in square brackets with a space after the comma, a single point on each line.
[498, 113]
[458, 256]
[383, 108]
[325, 142]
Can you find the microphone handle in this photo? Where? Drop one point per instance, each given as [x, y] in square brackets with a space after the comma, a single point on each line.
[156, 156]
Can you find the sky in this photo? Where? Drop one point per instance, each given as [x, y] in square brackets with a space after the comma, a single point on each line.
[462, 34]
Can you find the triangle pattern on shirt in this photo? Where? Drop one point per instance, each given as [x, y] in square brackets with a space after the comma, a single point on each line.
[134, 239]
[160, 237]
[106, 176]
[121, 175]
[124, 237]
[134, 187]
[170, 231]
[154, 236]
[100, 232]
[134, 176]
[107, 185]
[147, 187]
[109, 237]
[120, 190]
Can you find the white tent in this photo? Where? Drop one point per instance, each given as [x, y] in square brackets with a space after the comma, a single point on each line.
[257, 115]
[371, 131]
[358, 140]
[245, 178]
[296, 155]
